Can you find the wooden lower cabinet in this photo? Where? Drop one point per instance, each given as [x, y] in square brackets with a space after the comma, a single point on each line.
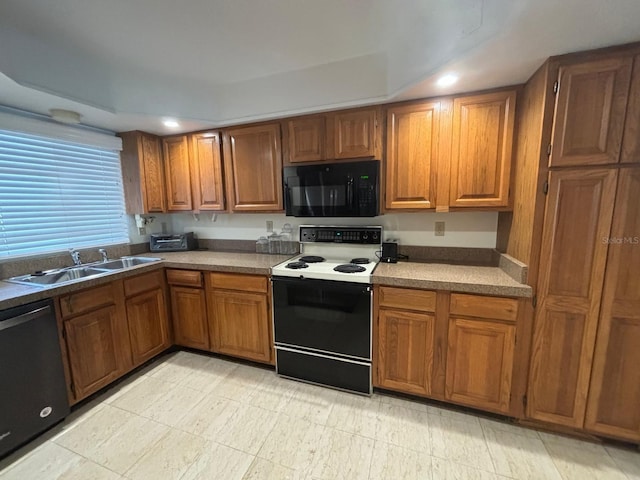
[98, 351]
[239, 321]
[405, 351]
[449, 346]
[96, 337]
[146, 310]
[480, 363]
[189, 314]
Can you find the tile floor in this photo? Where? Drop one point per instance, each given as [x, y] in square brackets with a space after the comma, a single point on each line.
[190, 416]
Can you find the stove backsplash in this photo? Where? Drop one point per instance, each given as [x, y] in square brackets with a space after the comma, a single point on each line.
[462, 229]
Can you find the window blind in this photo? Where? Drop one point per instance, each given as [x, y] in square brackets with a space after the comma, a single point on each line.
[56, 195]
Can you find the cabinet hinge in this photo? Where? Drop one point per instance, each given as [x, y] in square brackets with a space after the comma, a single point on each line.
[556, 86]
[534, 301]
[549, 150]
[545, 187]
[524, 401]
[72, 387]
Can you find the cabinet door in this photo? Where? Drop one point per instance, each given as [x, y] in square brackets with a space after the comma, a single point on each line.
[148, 327]
[253, 162]
[206, 167]
[614, 397]
[590, 111]
[178, 175]
[153, 174]
[412, 153]
[481, 150]
[572, 262]
[480, 363]
[405, 351]
[239, 324]
[97, 346]
[189, 312]
[355, 133]
[307, 139]
[631, 139]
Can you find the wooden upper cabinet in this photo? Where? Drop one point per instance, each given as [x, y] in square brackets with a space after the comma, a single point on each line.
[572, 263]
[590, 112]
[307, 138]
[481, 149]
[253, 168]
[631, 139]
[405, 351]
[143, 173]
[614, 397]
[206, 168]
[355, 133]
[480, 363]
[412, 154]
[177, 171]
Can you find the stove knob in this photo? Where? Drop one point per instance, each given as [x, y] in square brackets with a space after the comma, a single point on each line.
[365, 236]
[375, 235]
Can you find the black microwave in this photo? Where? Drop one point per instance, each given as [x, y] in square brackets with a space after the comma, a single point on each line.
[348, 189]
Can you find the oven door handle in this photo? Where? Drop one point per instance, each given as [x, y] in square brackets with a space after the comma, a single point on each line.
[324, 284]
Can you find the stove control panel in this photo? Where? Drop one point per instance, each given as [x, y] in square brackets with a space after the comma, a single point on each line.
[358, 235]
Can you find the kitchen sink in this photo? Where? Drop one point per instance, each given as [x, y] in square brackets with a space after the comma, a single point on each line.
[125, 262]
[67, 275]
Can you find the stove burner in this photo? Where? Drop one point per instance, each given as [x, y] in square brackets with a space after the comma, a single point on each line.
[360, 261]
[349, 268]
[297, 265]
[311, 259]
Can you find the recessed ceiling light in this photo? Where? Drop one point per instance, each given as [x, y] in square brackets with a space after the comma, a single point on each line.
[447, 80]
[169, 122]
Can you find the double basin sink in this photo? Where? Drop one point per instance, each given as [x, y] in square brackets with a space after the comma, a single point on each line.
[66, 275]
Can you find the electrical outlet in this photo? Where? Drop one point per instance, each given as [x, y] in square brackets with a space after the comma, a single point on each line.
[439, 229]
[269, 226]
[142, 231]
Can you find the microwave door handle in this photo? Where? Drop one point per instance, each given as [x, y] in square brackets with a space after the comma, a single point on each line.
[350, 193]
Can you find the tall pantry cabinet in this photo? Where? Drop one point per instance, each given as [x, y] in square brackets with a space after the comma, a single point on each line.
[576, 218]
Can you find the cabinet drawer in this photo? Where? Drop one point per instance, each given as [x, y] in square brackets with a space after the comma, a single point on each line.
[238, 281]
[188, 278]
[407, 299]
[88, 300]
[499, 308]
[142, 283]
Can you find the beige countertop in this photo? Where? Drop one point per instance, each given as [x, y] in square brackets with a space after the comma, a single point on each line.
[256, 263]
[457, 278]
[12, 294]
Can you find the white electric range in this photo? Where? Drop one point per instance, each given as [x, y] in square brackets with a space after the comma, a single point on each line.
[322, 307]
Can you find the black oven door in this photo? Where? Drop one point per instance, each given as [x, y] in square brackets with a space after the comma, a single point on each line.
[324, 316]
[332, 190]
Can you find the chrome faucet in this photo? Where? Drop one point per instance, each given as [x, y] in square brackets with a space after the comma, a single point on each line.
[75, 256]
[103, 253]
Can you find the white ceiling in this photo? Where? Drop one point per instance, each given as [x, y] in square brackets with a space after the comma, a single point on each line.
[127, 65]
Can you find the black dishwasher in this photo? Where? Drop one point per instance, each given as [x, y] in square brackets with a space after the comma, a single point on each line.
[33, 394]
